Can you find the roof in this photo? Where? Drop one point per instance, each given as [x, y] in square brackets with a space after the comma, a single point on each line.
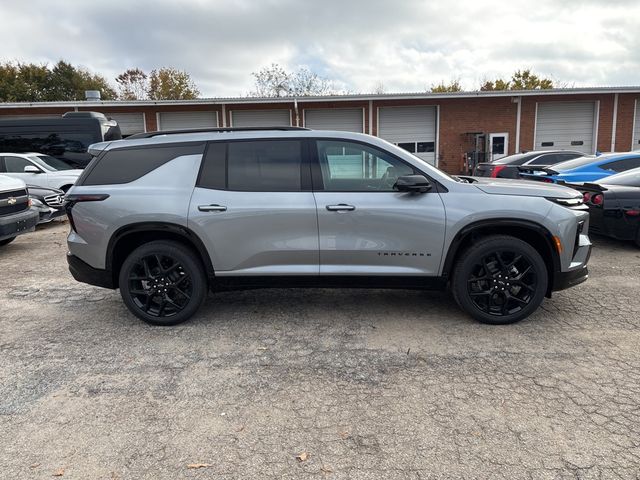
[333, 98]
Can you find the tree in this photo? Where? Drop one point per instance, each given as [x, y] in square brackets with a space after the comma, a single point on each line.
[453, 86]
[520, 80]
[29, 82]
[132, 85]
[275, 81]
[168, 83]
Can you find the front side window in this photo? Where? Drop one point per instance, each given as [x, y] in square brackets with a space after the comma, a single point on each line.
[354, 167]
[16, 164]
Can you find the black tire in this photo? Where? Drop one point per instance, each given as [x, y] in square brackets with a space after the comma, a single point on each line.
[6, 241]
[163, 283]
[499, 280]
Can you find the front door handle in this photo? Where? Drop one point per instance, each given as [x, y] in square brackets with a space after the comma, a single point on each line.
[342, 207]
[212, 208]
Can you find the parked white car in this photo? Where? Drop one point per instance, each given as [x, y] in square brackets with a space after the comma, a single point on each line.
[39, 170]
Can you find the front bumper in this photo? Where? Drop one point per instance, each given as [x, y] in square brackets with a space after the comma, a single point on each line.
[564, 280]
[18, 223]
[85, 273]
[48, 214]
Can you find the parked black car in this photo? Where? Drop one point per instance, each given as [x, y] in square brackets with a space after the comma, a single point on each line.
[507, 167]
[614, 205]
[48, 202]
[67, 137]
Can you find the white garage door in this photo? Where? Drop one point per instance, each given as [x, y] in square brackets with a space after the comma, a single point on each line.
[565, 125]
[342, 119]
[186, 120]
[130, 123]
[261, 118]
[636, 128]
[411, 128]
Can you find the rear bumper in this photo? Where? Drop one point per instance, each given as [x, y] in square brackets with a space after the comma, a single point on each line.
[18, 223]
[85, 273]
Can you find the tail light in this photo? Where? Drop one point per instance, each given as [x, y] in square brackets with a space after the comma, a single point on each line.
[586, 197]
[546, 180]
[633, 213]
[597, 199]
[71, 199]
[496, 170]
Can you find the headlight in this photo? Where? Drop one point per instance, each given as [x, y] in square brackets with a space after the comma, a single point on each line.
[36, 203]
[567, 202]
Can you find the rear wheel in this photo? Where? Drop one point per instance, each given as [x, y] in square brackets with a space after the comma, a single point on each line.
[162, 283]
[6, 241]
[499, 280]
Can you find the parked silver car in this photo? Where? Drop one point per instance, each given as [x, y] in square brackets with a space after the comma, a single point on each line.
[165, 216]
[39, 170]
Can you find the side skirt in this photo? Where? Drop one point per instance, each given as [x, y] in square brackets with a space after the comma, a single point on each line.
[328, 281]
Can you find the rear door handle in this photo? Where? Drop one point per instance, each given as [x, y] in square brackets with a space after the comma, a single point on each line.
[212, 208]
[342, 207]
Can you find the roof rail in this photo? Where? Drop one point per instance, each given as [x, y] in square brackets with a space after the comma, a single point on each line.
[209, 130]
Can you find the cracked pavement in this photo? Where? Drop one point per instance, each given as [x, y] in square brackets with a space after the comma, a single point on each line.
[371, 384]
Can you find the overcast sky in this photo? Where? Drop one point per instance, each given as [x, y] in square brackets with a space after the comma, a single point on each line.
[408, 45]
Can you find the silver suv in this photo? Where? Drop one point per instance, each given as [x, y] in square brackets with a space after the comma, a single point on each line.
[166, 216]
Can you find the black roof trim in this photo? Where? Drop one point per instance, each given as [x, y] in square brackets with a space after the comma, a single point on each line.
[208, 130]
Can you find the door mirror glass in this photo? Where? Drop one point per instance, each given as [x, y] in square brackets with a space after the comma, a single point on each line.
[32, 169]
[412, 183]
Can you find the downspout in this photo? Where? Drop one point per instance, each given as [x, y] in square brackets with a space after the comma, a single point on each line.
[518, 114]
[614, 123]
[295, 108]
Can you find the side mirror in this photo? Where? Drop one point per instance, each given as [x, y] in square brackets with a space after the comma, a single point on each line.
[32, 169]
[412, 183]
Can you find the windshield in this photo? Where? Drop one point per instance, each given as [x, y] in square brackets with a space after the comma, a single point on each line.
[51, 163]
[575, 163]
[630, 178]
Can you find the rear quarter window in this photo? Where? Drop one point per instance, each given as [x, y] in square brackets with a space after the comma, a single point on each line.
[124, 165]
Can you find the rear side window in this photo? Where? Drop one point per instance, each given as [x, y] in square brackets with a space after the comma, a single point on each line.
[253, 166]
[125, 165]
[545, 160]
[622, 165]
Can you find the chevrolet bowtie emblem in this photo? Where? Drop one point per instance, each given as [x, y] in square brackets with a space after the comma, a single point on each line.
[11, 200]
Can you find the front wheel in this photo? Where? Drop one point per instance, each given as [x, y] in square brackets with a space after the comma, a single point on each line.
[163, 283]
[499, 280]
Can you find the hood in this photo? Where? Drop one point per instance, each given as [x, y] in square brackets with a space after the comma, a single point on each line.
[9, 183]
[75, 173]
[523, 188]
[37, 191]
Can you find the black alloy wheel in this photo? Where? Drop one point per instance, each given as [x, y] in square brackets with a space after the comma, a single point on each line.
[502, 283]
[159, 285]
[163, 282]
[499, 279]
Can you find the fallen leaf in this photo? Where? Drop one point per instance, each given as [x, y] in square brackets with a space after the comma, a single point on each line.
[34, 465]
[344, 435]
[326, 469]
[58, 473]
[199, 465]
[240, 428]
[302, 457]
